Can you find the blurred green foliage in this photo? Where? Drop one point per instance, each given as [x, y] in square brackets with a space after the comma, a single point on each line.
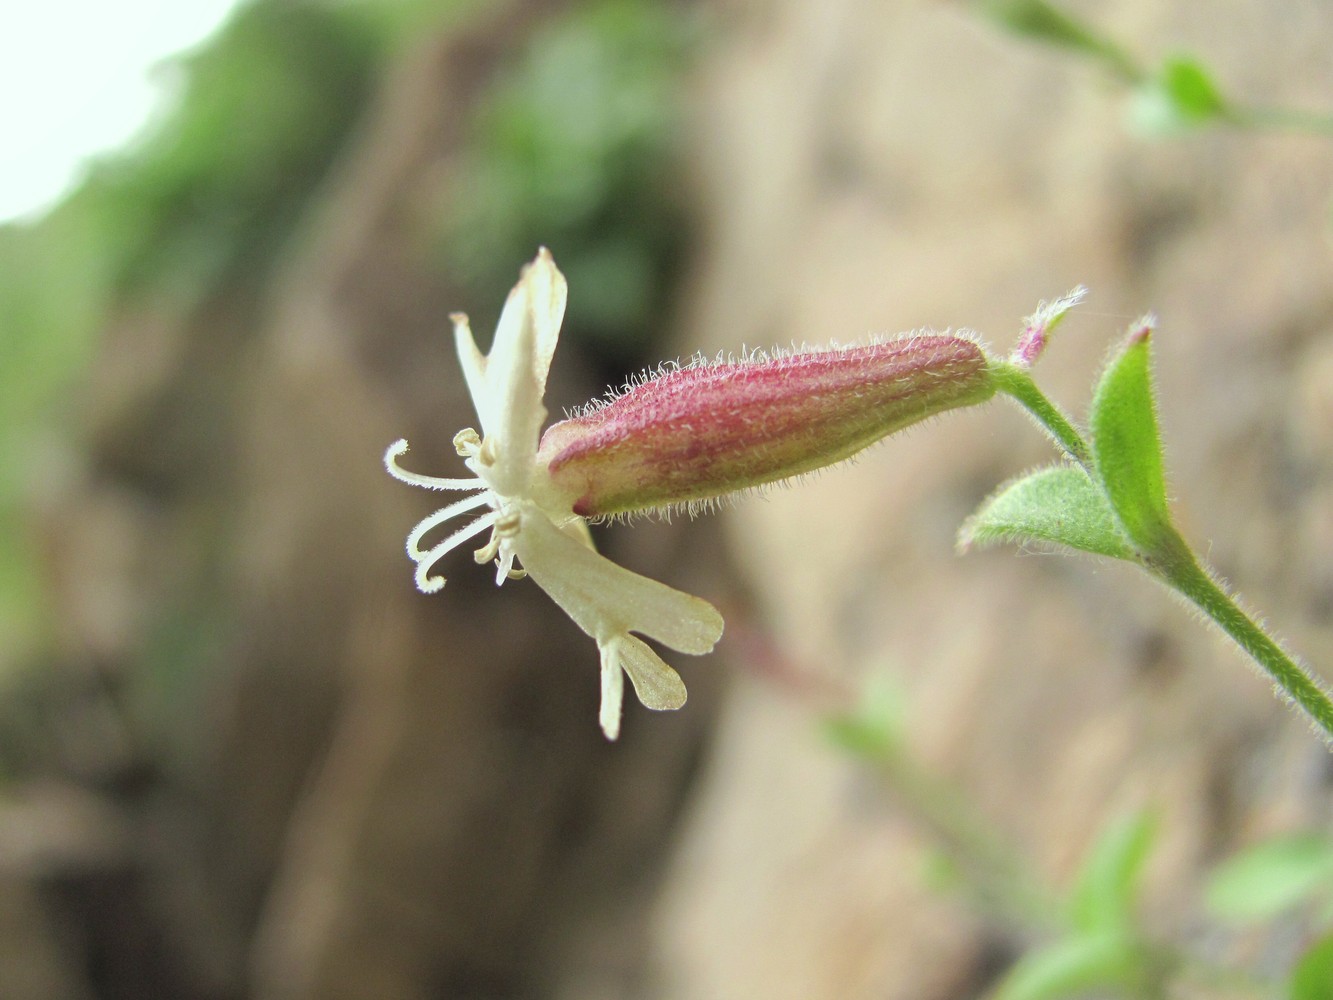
[1273, 877]
[1093, 939]
[220, 183]
[1312, 978]
[204, 199]
[874, 728]
[1103, 946]
[49, 290]
[574, 148]
[1042, 22]
[1178, 95]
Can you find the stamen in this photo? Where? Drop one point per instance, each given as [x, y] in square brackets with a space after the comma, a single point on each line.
[488, 551]
[428, 584]
[439, 517]
[399, 448]
[504, 566]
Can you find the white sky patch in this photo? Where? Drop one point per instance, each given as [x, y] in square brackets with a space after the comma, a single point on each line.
[76, 80]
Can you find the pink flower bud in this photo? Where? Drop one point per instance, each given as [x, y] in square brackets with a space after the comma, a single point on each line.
[697, 433]
[1038, 327]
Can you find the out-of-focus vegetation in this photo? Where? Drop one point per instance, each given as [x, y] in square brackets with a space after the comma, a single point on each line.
[1179, 94]
[572, 148]
[576, 148]
[1092, 937]
[208, 195]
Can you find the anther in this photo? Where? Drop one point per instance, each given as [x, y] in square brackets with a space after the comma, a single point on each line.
[467, 442]
[490, 550]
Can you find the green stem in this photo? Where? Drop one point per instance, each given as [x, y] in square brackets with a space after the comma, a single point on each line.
[990, 867]
[1175, 564]
[1011, 379]
[1284, 119]
[1192, 580]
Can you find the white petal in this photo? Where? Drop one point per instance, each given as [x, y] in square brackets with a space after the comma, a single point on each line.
[516, 371]
[657, 685]
[548, 294]
[473, 363]
[606, 600]
[613, 693]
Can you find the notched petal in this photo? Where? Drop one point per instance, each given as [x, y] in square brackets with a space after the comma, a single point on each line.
[657, 685]
[606, 600]
[613, 692]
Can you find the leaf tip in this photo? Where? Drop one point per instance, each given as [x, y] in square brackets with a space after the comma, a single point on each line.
[1142, 329]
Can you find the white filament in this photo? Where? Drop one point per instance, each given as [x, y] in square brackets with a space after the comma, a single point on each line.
[399, 448]
[428, 584]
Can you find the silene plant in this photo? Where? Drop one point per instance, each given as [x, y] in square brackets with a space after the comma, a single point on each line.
[687, 436]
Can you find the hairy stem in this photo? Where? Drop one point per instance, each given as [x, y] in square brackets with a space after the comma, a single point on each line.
[1016, 382]
[1192, 580]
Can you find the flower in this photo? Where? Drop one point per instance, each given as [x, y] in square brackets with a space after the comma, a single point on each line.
[678, 439]
[531, 520]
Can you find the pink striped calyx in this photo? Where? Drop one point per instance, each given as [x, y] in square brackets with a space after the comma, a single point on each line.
[690, 435]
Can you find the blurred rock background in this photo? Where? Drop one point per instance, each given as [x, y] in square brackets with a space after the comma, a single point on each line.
[242, 757]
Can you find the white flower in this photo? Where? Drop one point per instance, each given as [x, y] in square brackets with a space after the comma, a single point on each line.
[531, 519]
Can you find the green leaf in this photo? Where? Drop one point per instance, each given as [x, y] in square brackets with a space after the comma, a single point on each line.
[1058, 505]
[1191, 90]
[1071, 966]
[1126, 447]
[1312, 979]
[1271, 877]
[1104, 895]
[1182, 96]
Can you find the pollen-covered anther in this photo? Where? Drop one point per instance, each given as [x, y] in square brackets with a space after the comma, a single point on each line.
[467, 442]
[505, 528]
[488, 551]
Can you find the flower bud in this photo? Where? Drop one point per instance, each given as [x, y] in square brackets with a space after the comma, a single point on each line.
[697, 433]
